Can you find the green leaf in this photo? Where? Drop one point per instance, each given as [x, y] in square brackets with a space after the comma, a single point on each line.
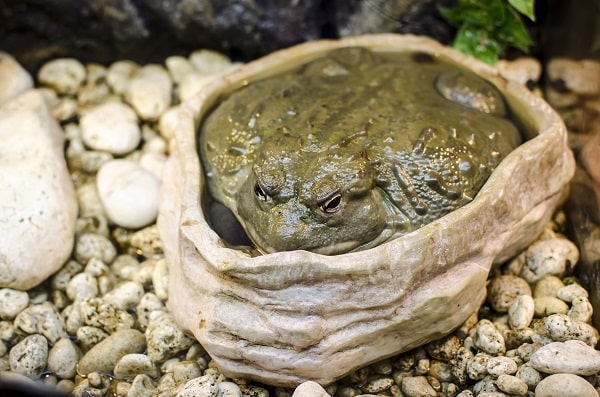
[525, 7]
[477, 43]
[515, 33]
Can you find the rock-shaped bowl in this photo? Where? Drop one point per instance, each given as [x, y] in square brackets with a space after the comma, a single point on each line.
[288, 317]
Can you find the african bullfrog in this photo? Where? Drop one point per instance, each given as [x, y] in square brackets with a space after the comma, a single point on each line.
[353, 149]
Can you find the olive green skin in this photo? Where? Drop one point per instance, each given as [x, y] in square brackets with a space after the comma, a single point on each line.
[353, 149]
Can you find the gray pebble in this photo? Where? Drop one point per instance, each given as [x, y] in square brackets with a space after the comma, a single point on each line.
[549, 257]
[547, 305]
[504, 289]
[125, 295]
[91, 245]
[571, 291]
[29, 357]
[521, 312]
[511, 385]
[63, 357]
[485, 385]
[82, 286]
[417, 386]
[165, 338]
[488, 338]
[565, 385]
[572, 356]
[204, 386]
[499, 365]
[104, 356]
[41, 319]
[561, 327]
[309, 389]
[378, 384]
[133, 364]
[12, 302]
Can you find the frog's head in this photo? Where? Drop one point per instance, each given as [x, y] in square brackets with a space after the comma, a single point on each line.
[325, 203]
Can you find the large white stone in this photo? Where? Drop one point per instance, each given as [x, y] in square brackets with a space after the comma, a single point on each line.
[287, 317]
[38, 205]
[111, 127]
[14, 80]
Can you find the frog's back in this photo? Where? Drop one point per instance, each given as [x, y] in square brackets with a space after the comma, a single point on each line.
[433, 130]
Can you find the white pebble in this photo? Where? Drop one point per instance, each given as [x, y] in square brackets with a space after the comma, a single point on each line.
[91, 245]
[165, 339]
[12, 302]
[549, 257]
[499, 365]
[561, 327]
[571, 291]
[154, 162]
[209, 62]
[14, 79]
[521, 70]
[230, 389]
[110, 318]
[148, 304]
[203, 386]
[178, 67]
[63, 358]
[111, 127]
[82, 286]
[581, 310]
[529, 375]
[183, 371]
[565, 385]
[125, 295]
[521, 311]
[547, 286]
[511, 385]
[547, 305]
[118, 75]
[504, 289]
[572, 356]
[310, 389]
[147, 241]
[42, 319]
[29, 357]
[133, 364]
[192, 83]
[160, 279]
[104, 356]
[129, 193]
[477, 366]
[150, 91]
[488, 338]
[417, 386]
[65, 75]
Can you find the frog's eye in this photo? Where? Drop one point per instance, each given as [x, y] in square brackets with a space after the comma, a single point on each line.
[332, 204]
[259, 192]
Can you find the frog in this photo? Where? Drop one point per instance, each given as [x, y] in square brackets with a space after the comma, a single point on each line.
[354, 148]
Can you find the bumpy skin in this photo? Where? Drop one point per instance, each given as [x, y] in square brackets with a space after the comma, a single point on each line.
[353, 149]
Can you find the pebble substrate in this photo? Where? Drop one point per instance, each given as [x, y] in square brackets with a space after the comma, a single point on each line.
[100, 327]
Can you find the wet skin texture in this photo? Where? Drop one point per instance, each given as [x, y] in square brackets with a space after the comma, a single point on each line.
[353, 149]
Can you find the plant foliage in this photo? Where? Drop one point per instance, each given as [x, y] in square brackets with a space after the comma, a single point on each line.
[487, 28]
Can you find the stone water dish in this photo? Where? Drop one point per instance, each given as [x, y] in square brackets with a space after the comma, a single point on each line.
[288, 317]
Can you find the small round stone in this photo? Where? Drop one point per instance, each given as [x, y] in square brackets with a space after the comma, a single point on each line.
[499, 365]
[547, 286]
[203, 386]
[160, 279]
[565, 385]
[29, 357]
[125, 295]
[142, 386]
[521, 312]
[549, 257]
[90, 245]
[64, 75]
[149, 92]
[511, 385]
[488, 338]
[111, 127]
[128, 192]
[178, 67]
[581, 310]
[230, 389]
[131, 365]
[310, 389]
[477, 367]
[12, 302]
[104, 356]
[572, 356]
[561, 327]
[547, 305]
[41, 319]
[63, 357]
[504, 289]
[165, 338]
[378, 384]
[417, 386]
[97, 313]
[82, 286]
[571, 291]
[529, 375]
